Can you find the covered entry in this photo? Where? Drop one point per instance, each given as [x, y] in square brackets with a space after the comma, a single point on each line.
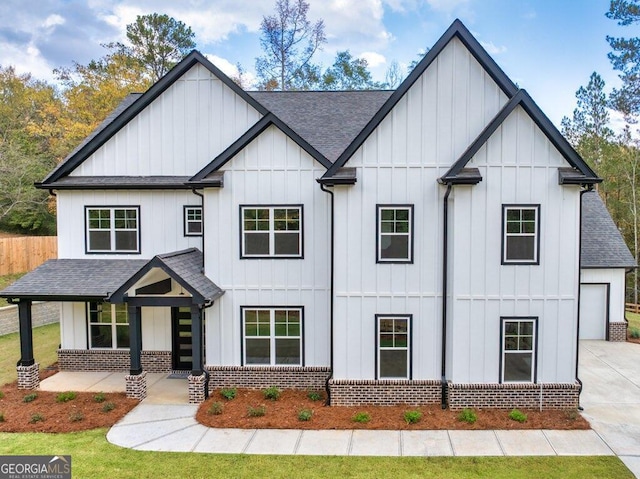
[594, 310]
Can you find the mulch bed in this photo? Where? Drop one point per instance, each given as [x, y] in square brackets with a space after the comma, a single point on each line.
[283, 414]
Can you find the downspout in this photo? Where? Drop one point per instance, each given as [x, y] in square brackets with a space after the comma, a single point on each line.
[193, 190]
[589, 188]
[331, 287]
[208, 303]
[445, 239]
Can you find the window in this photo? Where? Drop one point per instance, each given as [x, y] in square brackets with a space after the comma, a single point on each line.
[272, 336]
[113, 230]
[108, 325]
[394, 239]
[193, 220]
[271, 232]
[518, 350]
[521, 241]
[394, 347]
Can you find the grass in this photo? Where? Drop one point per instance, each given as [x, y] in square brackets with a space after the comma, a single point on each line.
[5, 281]
[45, 346]
[634, 320]
[93, 456]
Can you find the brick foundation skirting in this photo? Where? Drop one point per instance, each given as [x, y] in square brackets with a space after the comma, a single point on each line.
[508, 396]
[618, 331]
[345, 392]
[196, 388]
[28, 376]
[262, 377]
[115, 360]
[136, 385]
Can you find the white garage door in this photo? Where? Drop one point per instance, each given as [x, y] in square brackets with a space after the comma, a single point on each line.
[593, 311]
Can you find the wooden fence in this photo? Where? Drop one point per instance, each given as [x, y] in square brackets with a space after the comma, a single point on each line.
[632, 307]
[24, 253]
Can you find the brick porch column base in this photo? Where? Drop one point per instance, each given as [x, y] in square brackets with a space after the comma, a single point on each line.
[618, 331]
[136, 385]
[196, 388]
[28, 376]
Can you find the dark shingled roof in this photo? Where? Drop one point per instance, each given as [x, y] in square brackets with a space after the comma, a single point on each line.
[74, 278]
[602, 243]
[116, 182]
[328, 120]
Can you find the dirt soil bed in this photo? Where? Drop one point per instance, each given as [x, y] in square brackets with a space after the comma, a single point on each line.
[79, 414]
[283, 414]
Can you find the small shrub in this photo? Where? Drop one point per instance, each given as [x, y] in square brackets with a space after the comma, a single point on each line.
[412, 417]
[30, 397]
[1, 417]
[315, 395]
[571, 414]
[257, 411]
[517, 415]
[229, 393]
[108, 406]
[272, 393]
[215, 409]
[36, 417]
[634, 333]
[66, 396]
[100, 397]
[361, 417]
[305, 415]
[468, 416]
[76, 416]
[1, 394]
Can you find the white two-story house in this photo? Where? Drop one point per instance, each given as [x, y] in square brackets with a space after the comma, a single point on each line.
[421, 245]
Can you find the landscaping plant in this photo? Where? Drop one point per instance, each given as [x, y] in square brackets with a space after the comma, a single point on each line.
[100, 397]
[30, 397]
[257, 411]
[272, 393]
[66, 396]
[517, 415]
[468, 416]
[315, 395]
[361, 417]
[37, 417]
[216, 408]
[108, 406]
[412, 417]
[228, 393]
[305, 415]
[76, 416]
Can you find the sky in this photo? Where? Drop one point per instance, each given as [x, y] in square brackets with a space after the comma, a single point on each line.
[548, 47]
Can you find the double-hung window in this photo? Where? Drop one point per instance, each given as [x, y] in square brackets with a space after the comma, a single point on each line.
[395, 234]
[272, 336]
[521, 234]
[193, 220]
[518, 350]
[108, 325]
[271, 231]
[393, 334]
[113, 229]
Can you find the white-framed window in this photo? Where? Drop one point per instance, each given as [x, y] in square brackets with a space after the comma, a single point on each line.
[272, 336]
[521, 234]
[108, 325]
[193, 220]
[393, 352]
[112, 229]
[518, 357]
[394, 241]
[271, 231]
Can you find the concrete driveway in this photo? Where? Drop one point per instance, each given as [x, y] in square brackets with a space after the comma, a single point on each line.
[610, 373]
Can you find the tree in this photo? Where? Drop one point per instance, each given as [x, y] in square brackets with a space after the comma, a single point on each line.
[288, 41]
[415, 62]
[158, 42]
[625, 58]
[393, 76]
[348, 73]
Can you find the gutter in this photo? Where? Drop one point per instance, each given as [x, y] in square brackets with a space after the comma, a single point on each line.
[331, 290]
[201, 195]
[445, 239]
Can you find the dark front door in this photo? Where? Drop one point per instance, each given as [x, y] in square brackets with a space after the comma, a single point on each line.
[182, 345]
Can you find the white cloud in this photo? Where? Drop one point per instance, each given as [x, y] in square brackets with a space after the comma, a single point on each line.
[26, 60]
[492, 49]
[231, 70]
[373, 59]
[53, 20]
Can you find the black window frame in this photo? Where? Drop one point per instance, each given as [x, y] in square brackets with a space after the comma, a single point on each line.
[113, 324]
[271, 208]
[185, 216]
[409, 319]
[112, 209]
[503, 257]
[410, 234]
[534, 350]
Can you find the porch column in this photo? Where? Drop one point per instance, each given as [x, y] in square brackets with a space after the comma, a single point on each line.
[27, 368]
[197, 379]
[135, 339]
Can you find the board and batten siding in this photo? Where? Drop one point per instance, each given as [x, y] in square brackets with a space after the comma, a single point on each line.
[161, 220]
[272, 170]
[179, 133]
[399, 163]
[519, 166]
[615, 278]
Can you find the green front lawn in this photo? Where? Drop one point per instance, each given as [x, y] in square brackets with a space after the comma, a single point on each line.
[92, 456]
[634, 320]
[5, 281]
[45, 346]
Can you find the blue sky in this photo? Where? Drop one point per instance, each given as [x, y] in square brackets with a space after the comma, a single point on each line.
[548, 47]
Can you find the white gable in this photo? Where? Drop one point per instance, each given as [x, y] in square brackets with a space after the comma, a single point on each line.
[178, 134]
